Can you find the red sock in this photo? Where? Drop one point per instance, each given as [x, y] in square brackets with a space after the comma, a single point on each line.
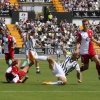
[82, 68]
[98, 68]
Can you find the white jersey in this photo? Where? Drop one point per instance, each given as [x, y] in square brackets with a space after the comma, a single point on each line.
[32, 43]
[8, 43]
[58, 45]
[68, 65]
[26, 43]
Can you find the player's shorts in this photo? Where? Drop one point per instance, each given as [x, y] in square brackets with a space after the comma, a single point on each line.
[9, 55]
[59, 51]
[85, 58]
[32, 54]
[21, 74]
[58, 71]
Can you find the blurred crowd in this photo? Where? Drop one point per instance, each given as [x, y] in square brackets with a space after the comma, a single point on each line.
[49, 31]
[6, 5]
[81, 5]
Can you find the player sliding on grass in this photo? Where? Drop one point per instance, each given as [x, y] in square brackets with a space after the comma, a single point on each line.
[61, 70]
[13, 75]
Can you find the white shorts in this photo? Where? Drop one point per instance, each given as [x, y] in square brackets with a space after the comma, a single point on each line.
[57, 70]
[59, 51]
[32, 54]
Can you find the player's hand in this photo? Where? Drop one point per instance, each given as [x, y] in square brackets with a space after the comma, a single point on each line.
[79, 81]
[77, 51]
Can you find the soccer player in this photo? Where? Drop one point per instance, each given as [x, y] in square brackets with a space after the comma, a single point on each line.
[58, 48]
[31, 47]
[8, 44]
[84, 45]
[13, 75]
[63, 69]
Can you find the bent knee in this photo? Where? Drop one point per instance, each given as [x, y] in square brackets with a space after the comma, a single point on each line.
[49, 58]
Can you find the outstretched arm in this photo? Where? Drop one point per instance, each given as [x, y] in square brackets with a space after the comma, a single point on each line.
[79, 76]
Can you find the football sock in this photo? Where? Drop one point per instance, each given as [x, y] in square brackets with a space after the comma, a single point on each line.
[58, 59]
[10, 62]
[24, 63]
[57, 83]
[37, 69]
[28, 61]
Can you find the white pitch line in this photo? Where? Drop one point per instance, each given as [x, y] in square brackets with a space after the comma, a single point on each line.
[46, 91]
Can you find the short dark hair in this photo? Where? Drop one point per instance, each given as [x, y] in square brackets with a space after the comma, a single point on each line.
[84, 20]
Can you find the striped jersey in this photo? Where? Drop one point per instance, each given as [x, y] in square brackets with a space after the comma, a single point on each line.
[26, 43]
[69, 65]
[32, 43]
[58, 45]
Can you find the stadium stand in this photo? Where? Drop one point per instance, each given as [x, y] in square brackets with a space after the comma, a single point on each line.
[58, 5]
[13, 2]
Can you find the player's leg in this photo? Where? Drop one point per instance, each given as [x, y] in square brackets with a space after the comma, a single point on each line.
[97, 61]
[37, 63]
[58, 58]
[11, 57]
[26, 60]
[37, 67]
[57, 71]
[7, 58]
[33, 57]
[85, 61]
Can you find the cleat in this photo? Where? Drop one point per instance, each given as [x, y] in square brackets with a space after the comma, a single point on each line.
[46, 83]
[38, 72]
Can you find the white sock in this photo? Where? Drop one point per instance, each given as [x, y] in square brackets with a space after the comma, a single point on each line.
[57, 83]
[28, 61]
[41, 57]
[37, 68]
[58, 59]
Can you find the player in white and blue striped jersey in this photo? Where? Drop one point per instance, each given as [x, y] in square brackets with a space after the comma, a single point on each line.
[63, 69]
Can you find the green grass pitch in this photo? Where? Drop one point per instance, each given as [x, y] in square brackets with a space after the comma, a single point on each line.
[32, 89]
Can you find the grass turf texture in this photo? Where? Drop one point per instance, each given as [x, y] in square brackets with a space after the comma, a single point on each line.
[32, 89]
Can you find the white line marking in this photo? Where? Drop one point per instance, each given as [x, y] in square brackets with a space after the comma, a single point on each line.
[46, 91]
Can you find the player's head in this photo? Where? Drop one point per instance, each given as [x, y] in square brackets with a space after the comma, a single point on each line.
[85, 23]
[14, 62]
[7, 32]
[75, 56]
[10, 77]
[32, 34]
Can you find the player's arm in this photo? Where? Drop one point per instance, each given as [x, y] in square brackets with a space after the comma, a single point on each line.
[94, 40]
[78, 40]
[14, 43]
[79, 76]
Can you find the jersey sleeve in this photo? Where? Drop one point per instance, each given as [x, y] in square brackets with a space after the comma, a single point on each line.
[78, 37]
[77, 67]
[14, 40]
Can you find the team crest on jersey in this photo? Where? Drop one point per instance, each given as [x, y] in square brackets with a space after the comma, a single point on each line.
[88, 39]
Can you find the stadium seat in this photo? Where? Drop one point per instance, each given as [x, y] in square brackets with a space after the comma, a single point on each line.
[58, 6]
[13, 1]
